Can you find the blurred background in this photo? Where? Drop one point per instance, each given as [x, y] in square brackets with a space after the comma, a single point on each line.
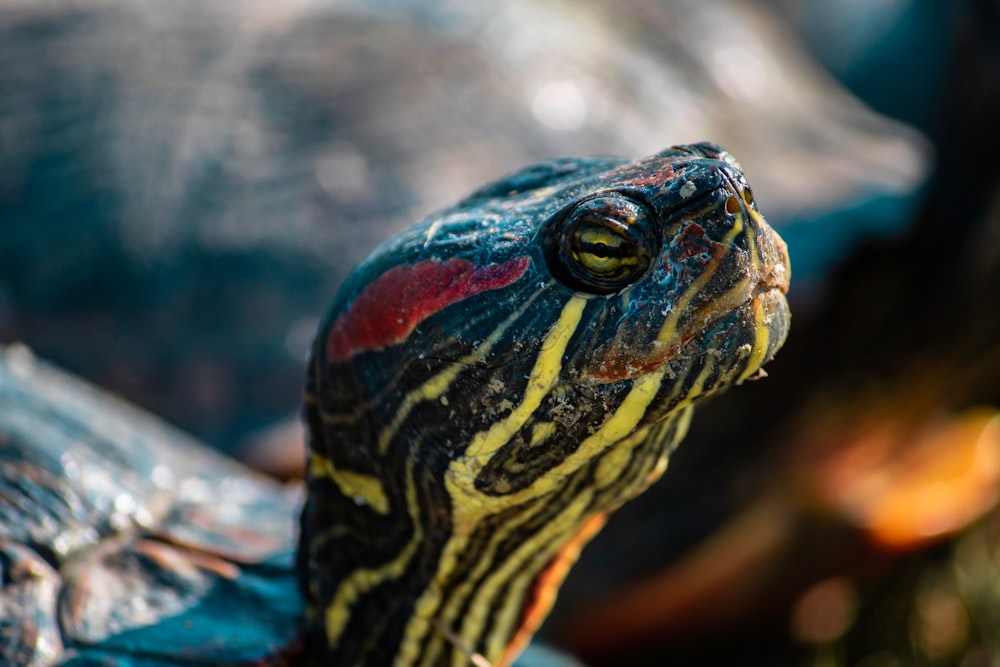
[183, 186]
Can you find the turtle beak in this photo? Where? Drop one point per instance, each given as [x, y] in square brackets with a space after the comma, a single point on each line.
[778, 271]
[769, 294]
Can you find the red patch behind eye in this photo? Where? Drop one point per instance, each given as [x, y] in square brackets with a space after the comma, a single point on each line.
[398, 300]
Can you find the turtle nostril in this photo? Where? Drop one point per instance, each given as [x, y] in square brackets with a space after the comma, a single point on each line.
[732, 205]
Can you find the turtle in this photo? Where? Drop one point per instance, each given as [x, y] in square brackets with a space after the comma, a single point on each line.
[486, 388]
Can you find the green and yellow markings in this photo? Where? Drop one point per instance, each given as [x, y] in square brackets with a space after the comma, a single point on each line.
[355, 485]
[543, 378]
[362, 580]
[698, 385]
[469, 510]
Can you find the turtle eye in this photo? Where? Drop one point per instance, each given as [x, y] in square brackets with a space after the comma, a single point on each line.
[602, 244]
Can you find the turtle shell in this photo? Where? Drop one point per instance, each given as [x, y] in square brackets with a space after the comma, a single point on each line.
[122, 541]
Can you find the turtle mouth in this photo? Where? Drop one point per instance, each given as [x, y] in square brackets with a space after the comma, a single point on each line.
[757, 316]
[779, 269]
[769, 306]
[769, 295]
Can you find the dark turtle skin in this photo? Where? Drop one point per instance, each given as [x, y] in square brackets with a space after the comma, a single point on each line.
[486, 388]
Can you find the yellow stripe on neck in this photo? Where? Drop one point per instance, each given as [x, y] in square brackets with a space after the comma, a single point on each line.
[542, 546]
[543, 378]
[511, 579]
[361, 488]
[362, 580]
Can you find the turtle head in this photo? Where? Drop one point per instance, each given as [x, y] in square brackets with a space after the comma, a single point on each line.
[491, 383]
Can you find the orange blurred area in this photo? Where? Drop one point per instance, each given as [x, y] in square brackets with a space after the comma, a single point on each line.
[845, 506]
[712, 586]
[907, 484]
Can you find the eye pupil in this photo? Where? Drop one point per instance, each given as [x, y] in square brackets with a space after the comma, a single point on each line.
[602, 244]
